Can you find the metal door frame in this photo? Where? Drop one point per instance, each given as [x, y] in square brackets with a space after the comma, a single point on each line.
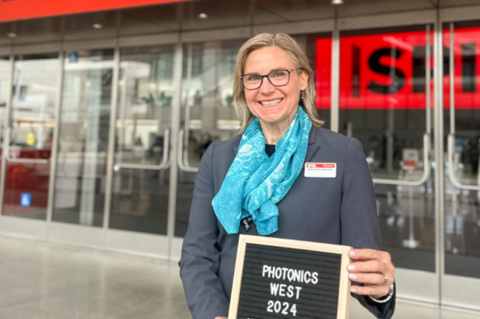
[456, 291]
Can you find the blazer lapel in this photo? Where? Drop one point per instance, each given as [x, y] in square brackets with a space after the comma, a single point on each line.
[313, 144]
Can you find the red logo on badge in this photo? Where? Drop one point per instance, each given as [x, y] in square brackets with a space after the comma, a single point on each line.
[320, 165]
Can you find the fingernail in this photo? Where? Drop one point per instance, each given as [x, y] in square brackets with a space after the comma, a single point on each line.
[352, 253]
[352, 276]
[351, 267]
[353, 290]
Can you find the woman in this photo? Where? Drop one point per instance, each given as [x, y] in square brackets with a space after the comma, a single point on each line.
[261, 176]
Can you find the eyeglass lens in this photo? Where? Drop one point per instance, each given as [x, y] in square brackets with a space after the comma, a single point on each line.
[276, 78]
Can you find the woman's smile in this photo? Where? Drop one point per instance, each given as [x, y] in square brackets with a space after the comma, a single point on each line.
[271, 102]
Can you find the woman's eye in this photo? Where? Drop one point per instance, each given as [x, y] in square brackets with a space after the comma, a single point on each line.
[253, 77]
[278, 74]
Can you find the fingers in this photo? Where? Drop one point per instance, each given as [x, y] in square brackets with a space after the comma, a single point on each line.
[369, 279]
[374, 291]
[368, 254]
[372, 268]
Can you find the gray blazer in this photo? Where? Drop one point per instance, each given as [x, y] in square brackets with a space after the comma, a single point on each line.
[340, 210]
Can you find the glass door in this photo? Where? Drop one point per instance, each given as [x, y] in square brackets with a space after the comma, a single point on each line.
[141, 174]
[83, 138]
[28, 135]
[461, 280]
[5, 73]
[385, 102]
[207, 115]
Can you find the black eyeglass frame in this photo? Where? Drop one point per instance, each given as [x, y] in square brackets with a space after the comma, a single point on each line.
[267, 76]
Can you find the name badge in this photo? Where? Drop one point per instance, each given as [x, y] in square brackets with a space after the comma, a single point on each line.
[321, 170]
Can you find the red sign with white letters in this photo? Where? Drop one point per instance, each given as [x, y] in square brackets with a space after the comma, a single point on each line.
[11, 10]
[387, 71]
[320, 165]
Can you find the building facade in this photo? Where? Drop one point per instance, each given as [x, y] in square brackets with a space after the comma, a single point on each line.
[105, 115]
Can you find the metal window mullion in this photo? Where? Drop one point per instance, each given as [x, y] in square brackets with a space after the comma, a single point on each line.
[111, 139]
[6, 139]
[439, 158]
[335, 89]
[176, 109]
[55, 143]
[428, 79]
[452, 80]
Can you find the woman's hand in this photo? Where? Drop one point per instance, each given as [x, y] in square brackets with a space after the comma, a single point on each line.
[374, 269]
[221, 318]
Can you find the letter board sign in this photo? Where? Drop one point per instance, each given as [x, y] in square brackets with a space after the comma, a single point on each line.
[283, 278]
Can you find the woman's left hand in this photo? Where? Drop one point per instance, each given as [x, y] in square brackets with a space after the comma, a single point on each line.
[374, 269]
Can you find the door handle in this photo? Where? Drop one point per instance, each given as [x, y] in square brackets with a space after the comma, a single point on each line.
[426, 169]
[183, 164]
[451, 174]
[165, 160]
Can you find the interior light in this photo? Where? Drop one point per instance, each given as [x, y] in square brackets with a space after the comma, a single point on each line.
[12, 35]
[337, 1]
[203, 16]
[97, 26]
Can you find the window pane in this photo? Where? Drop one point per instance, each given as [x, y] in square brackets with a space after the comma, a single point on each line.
[35, 89]
[383, 99]
[83, 143]
[462, 209]
[140, 196]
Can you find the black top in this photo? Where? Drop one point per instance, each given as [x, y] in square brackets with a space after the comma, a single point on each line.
[269, 149]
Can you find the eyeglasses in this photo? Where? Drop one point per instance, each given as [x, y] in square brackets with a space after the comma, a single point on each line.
[277, 78]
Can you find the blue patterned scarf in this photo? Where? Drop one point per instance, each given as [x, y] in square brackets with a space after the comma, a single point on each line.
[256, 182]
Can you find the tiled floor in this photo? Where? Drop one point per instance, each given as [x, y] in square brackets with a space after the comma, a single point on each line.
[45, 281]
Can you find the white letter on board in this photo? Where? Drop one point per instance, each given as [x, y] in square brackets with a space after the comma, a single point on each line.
[274, 288]
[298, 291]
[281, 292]
[265, 269]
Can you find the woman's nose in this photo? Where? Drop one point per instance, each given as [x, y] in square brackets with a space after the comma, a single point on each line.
[266, 87]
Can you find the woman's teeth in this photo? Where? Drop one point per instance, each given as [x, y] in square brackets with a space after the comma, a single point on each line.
[271, 103]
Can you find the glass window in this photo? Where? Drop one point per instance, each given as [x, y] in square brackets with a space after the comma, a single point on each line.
[383, 98]
[34, 94]
[83, 143]
[208, 113]
[462, 209]
[4, 89]
[318, 48]
[139, 195]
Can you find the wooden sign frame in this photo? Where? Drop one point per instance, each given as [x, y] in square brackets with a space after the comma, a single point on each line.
[344, 284]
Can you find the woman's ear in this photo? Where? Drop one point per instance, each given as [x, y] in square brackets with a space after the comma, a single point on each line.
[303, 80]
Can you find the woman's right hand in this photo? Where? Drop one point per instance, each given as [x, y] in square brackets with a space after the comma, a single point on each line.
[221, 318]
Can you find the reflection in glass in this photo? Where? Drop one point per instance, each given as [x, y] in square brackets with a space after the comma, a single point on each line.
[140, 196]
[319, 53]
[83, 142]
[383, 98]
[462, 207]
[208, 113]
[34, 92]
[4, 88]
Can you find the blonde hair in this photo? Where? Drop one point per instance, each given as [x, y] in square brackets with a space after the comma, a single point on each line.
[298, 57]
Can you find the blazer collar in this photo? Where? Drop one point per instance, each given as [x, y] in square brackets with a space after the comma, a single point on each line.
[312, 145]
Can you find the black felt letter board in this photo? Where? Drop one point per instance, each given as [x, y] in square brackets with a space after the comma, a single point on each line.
[285, 282]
